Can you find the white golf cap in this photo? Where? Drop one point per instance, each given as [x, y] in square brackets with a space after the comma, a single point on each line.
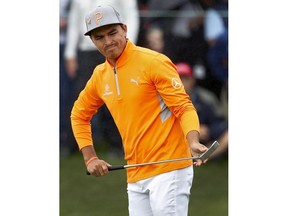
[101, 16]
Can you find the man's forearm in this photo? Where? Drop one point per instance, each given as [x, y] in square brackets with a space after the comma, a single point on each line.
[193, 137]
[88, 152]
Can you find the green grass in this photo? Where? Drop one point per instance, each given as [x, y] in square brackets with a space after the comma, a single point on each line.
[82, 195]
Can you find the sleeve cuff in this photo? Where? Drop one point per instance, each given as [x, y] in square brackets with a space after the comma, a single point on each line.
[189, 121]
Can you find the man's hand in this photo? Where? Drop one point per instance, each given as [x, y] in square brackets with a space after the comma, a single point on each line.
[94, 165]
[197, 148]
[98, 167]
[71, 67]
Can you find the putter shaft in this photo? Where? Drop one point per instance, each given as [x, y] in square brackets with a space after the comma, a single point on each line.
[203, 157]
[151, 163]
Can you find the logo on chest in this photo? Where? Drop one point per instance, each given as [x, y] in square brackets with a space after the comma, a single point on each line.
[107, 91]
[134, 81]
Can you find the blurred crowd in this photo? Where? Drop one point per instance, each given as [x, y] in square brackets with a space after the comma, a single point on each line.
[192, 33]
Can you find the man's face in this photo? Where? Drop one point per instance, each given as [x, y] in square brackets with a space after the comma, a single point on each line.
[110, 40]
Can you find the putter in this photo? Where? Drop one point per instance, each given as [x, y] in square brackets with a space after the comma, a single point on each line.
[202, 156]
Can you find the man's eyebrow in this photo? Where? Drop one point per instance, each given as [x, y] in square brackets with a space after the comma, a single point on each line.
[112, 30]
[109, 32]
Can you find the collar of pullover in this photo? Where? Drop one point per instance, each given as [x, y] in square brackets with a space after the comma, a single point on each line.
[124, 56]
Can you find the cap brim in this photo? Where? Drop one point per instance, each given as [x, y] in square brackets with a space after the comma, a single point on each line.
[88, 33]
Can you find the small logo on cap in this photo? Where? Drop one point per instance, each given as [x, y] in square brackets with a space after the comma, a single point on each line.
[98, 16]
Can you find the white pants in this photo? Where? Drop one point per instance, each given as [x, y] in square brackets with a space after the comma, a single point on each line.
[164, 195]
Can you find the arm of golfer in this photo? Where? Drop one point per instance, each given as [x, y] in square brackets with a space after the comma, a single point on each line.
[94, 165]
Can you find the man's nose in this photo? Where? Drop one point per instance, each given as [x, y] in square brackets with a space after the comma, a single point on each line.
[107, 40]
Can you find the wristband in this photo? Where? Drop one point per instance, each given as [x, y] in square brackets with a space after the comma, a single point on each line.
[91, 159]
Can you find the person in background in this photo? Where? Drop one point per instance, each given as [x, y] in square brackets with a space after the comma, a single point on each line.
[154, 39]
[155, 117]
[81, 57]
[216, 36]
[213, 125]
[182, 24]
[66, 85]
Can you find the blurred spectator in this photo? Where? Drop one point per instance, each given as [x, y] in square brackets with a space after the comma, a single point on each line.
[82, 57]
[66, 84]
[216, 35]
[182, 24]
[213, 125]
[154, 39]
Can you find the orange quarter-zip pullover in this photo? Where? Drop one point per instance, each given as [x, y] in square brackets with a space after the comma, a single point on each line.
[149, 105]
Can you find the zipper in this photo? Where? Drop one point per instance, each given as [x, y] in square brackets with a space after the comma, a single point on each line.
[117, 82]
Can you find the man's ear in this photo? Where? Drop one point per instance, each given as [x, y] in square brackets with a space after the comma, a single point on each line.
[124, 27]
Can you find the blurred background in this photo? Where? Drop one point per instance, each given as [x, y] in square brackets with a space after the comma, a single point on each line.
[194, 35]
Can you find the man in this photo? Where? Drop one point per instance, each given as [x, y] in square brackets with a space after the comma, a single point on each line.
[155, 117]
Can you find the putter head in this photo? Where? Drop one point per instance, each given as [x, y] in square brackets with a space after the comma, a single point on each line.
[210, 150]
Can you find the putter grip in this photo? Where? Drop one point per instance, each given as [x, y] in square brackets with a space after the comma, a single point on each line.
[111, 168]
[115, 167]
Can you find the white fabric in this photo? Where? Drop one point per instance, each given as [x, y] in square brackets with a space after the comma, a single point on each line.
[213, 25]
[63, 14]
[163, 195]
[128, 10]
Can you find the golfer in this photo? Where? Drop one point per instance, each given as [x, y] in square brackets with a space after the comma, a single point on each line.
[155, 118]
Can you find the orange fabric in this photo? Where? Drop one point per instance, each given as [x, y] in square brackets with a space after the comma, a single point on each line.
[149, 105]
